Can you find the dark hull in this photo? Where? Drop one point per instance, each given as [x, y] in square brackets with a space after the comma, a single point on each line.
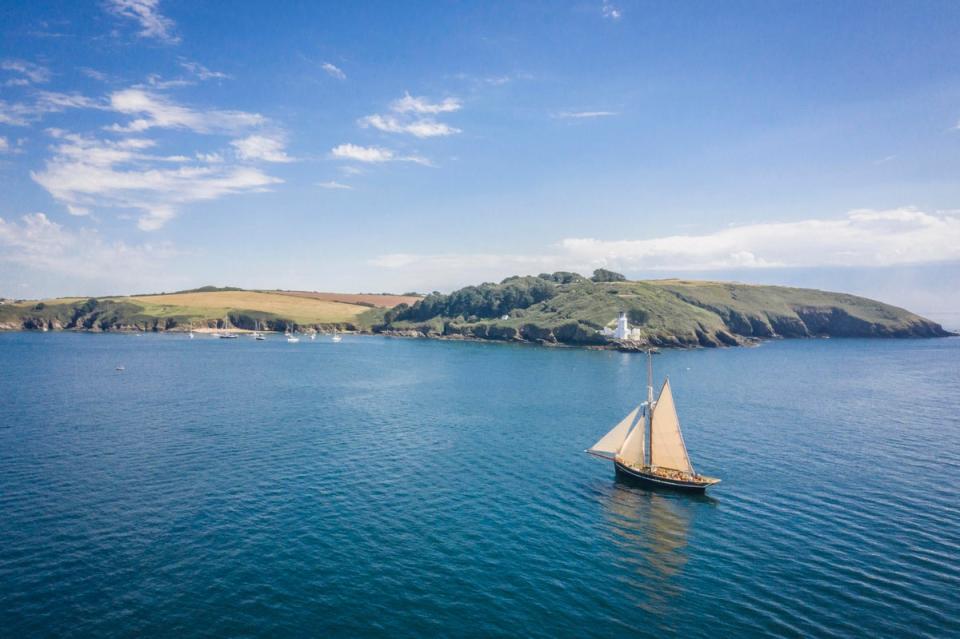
[655, 481]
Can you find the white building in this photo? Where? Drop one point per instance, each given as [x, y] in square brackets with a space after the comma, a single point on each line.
[622, 330]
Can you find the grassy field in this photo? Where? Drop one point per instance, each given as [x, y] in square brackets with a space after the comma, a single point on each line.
[377, 300]
[214, 305]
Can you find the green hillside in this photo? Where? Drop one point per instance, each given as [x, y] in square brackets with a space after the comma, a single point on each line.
[567, 308]
[205, 308]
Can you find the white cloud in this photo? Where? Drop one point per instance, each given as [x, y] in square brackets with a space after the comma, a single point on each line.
[373, 154]
[333, 184]
[158, 111]
[4, 145]
[412, 104]
[261, 147]
[38, 243]
[21, 114]
[333, 71]
[153, 24]
[85, 173]
[362, 153]
[211, 158]
[28, 72]
[409, 108]
[864, 238]
[584, 114]
[419, 128]
[610, 11]
[203, 72]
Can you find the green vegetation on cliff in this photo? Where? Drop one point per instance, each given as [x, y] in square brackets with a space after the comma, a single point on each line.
[550, 308]
[566, 308]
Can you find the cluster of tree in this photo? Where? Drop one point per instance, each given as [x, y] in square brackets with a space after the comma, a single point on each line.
[490, 300]
[485, 301]
[603, 275]
[562, 277]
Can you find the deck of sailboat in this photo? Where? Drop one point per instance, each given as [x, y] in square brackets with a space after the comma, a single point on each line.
[664, 477]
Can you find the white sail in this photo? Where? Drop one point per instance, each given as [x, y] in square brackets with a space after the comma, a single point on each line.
[632, 451]
[667, 447]
[611, 442]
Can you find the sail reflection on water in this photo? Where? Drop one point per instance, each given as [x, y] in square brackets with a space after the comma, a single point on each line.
[650, 530]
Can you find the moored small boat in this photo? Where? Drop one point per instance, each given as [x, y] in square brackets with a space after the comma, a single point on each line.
[650, 450]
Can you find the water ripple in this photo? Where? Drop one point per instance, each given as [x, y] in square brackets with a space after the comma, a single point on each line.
[410, 488]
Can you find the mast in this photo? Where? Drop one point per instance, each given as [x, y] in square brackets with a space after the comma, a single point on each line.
[649, 417]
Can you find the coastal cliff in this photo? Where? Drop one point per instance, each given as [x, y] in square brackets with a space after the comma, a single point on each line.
[565, 308]
[551, 309]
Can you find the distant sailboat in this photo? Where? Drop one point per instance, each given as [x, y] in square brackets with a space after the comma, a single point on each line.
[191, 330]
[652, 451]
[257, 335]
[225, 334]
[336, 338]
[292, 339]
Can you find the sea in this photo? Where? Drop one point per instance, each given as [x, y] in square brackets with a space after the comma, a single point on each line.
[388, 487]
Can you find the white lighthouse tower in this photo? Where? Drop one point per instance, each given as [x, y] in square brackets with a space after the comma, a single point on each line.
[623, 327]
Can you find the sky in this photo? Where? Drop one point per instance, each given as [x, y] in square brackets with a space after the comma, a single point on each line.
[159, 145]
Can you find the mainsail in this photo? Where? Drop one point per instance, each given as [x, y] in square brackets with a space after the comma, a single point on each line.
[610, 443]
[667, 447]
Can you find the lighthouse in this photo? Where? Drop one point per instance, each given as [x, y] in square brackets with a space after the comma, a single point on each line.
[623, 327]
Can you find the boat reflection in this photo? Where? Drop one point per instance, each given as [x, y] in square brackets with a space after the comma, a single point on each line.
[650, 529]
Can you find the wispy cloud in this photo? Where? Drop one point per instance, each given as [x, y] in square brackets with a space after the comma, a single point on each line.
[373, 155]
[413, 104]
[610, 11]
[39, 243]
[333, 71]
[863, 238]
[579, 115]
[23, 114]
[86, 173]
[420, 128]
[201, 72]
[261, 147]
[408, 117]
[94, 74]
[333, 184]
[153, 24]
[4, 145]
[26, 72]
[159, 111]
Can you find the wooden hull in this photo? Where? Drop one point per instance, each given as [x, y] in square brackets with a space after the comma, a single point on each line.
[656, 481]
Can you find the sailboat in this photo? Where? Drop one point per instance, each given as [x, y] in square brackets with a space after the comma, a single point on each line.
[225, 334]
[336, 338]
[651, 450]
[257, 335]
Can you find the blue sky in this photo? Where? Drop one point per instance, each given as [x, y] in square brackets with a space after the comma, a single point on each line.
[159, 145]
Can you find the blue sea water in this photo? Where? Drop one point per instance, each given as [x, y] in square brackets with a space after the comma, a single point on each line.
[389, 487]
